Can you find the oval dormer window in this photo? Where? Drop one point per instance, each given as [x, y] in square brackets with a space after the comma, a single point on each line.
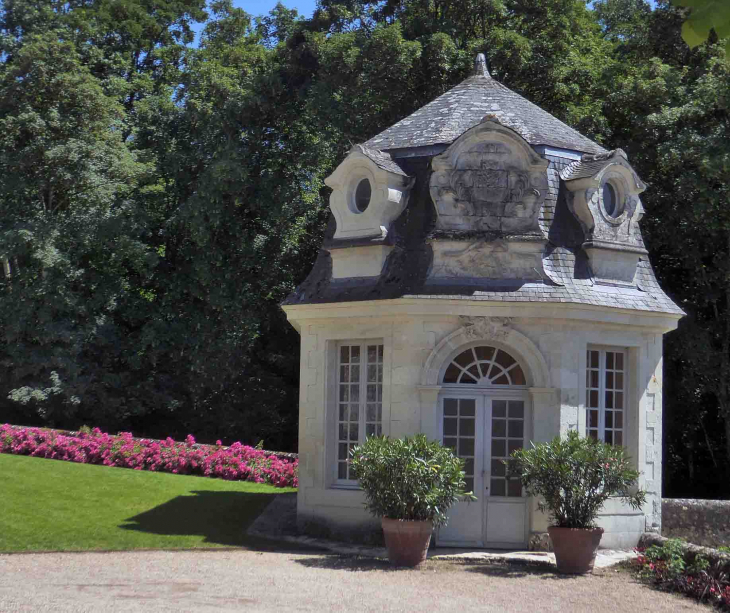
[612, 201]
[363, 192]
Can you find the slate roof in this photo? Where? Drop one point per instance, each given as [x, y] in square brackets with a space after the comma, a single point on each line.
[568, 279]
[381, 159]
[447, 117]
[580, 170]
[567, 275]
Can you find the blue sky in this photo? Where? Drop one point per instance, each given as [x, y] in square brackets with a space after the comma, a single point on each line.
[261, 7]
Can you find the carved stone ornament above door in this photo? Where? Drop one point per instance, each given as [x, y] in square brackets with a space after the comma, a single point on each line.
[486, 328]
[489, 179]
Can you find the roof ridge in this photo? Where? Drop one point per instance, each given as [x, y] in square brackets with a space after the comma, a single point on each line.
[448, 116]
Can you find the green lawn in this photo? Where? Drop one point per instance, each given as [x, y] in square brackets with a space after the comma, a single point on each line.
[50, 505]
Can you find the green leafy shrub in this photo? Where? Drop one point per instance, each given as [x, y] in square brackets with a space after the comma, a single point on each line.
[666, 567]
[410, 478]
[575, 476]
[666, 560]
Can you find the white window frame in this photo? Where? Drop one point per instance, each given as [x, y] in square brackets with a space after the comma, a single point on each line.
[362, 400]
[601, 389]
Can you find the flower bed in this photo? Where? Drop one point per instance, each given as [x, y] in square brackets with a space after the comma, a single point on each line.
[235, 463]
[667, 567]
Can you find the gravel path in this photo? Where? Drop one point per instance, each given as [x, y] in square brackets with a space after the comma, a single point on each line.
[266, 581]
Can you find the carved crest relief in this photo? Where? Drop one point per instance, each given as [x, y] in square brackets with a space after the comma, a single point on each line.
[486, 328]
[494, 184]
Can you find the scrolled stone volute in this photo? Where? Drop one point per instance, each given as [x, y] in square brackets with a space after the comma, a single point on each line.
[389, 189]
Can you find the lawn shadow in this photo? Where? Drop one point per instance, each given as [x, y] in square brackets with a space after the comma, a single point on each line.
[222, 518]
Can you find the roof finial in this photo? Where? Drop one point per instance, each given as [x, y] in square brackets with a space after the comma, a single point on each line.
[480, 66]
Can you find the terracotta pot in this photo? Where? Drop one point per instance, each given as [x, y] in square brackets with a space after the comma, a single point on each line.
[575, 548]
[407, 541]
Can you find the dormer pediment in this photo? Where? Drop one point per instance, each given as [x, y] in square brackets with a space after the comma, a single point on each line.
[489, 180]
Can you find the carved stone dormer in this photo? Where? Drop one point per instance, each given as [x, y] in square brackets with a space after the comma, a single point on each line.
[369, 191]
[488, 188]
[604, 197]
[489, 180]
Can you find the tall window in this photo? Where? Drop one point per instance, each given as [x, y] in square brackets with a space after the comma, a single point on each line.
[606, 395]
[359, 399]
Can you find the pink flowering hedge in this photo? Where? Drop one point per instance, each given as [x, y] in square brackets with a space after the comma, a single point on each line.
[235, 463]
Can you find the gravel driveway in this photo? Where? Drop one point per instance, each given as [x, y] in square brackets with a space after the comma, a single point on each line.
[268, 581]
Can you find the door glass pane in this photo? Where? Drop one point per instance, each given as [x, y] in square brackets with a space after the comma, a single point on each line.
[499, 448]
[466, 447]
[498, 468]
[508, 431]
[460, 432]
[514, 488]
[467, 426]
[450, 427]
[497, 487]
[516, 409]
[499, 427]
[451, 406]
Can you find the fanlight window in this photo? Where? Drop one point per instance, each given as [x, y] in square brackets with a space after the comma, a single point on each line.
[485, 366]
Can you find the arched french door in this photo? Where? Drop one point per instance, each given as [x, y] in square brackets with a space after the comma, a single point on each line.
[483, 415]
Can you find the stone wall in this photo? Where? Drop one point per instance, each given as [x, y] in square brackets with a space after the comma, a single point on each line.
[690, 551]
[702, 522]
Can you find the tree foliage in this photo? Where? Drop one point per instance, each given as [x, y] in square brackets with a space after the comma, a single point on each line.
[704, 17]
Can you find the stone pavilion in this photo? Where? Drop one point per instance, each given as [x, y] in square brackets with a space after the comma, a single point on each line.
[483, 280]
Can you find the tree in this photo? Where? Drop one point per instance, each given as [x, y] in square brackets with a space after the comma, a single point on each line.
[705, 15]
[66, 185]
[670, 113]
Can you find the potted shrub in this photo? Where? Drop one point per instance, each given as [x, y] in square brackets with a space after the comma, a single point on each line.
[410, 483]
[574, 477]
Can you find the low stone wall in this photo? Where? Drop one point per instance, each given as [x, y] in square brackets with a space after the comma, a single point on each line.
[713, 556]
[702, 522]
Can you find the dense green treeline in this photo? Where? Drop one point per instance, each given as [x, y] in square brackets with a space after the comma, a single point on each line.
[158, 200]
